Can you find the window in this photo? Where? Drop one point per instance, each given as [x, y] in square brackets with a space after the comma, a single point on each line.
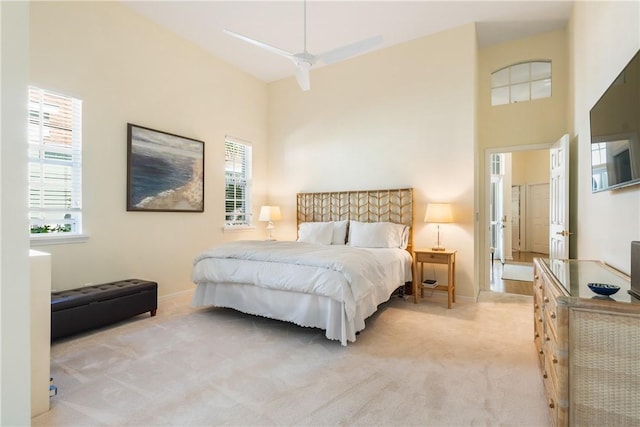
[237, 176]
[55, 163]
[496, 164]
[521, 82]
[599, 178]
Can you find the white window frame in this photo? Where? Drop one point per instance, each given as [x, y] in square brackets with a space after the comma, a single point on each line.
[55, 167]
[238, 210]
[511, 84]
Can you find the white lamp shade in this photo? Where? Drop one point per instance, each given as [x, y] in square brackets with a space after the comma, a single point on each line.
[270, 213]
[438, 213]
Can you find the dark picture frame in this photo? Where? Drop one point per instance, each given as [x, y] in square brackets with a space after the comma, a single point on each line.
[165, 172]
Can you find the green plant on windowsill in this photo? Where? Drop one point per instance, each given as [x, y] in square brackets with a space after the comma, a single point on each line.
[42, 229]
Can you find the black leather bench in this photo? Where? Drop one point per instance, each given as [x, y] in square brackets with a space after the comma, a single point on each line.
[81, 309]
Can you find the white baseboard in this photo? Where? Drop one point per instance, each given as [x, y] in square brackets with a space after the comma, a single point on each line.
[175, 294]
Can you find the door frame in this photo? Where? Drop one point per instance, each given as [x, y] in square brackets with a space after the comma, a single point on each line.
[522, 217]
[485, 244]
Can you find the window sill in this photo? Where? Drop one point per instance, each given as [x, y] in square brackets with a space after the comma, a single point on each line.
[238, 228]
[51, 239]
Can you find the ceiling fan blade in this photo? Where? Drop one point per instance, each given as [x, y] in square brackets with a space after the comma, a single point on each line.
[265, 46]
[302, 75]
[349, 50]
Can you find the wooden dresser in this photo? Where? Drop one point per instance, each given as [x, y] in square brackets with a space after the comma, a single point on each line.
[588, 345]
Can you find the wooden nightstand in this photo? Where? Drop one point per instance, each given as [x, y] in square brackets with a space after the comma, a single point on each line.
[429, 256]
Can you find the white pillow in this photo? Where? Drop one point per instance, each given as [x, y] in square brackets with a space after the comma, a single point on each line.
[378, 235]
[339, 232]
[316, 232]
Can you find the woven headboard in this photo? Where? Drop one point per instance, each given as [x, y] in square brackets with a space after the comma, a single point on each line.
[366, 206]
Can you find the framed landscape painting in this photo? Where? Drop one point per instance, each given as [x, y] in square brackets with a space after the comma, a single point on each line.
[165, 172]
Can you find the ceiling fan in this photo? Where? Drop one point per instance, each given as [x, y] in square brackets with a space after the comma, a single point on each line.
[305, 60]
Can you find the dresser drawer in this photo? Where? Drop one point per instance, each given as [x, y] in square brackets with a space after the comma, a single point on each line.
[432, 258]
[551, 365]
[550, 326]
[552, 401]
[550, 307]
[538, 325]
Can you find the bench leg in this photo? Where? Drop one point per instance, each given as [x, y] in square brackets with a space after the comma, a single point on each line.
[153, 312]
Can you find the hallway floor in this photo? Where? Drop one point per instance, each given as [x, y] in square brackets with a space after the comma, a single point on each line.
[513, 286]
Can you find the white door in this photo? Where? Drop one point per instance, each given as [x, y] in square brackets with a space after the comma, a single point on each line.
[539, 217]
[515, 218]
[496, 211]
[559, 199]
[507, 250]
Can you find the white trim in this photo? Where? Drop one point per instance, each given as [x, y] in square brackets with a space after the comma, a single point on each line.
[237, 140]
[58, 239]
[238, 228]
[176, 294]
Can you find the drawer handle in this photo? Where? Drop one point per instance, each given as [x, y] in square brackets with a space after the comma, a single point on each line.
[540, 319]
[554, 360]
[552, 404]
[537, 335]
[541, 351]
[546, 337]
[536, 277]
[535, 305]
[544, 375]
[546, 299]
[553, 315]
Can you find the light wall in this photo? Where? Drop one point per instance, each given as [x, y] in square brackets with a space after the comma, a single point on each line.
[127, 69]
[603, 36]
[15, 296]
[398, 117]
[523, 126]
[540, 121]
[530, 167]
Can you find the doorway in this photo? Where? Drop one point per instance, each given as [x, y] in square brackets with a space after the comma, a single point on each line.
[518, 217]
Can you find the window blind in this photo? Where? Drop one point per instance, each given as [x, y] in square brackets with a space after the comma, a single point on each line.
[55, 162]
[237, 183]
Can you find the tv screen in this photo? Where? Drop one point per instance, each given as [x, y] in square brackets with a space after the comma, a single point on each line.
[615, 126]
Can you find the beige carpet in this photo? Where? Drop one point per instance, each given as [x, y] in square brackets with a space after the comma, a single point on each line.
[413, 365]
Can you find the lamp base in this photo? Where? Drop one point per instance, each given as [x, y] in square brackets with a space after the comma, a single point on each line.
[270, 228]
[438, 249]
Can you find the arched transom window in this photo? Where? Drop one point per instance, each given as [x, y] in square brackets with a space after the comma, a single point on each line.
[521, 82]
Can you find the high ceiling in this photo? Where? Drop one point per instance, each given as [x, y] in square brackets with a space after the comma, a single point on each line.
[332, 24]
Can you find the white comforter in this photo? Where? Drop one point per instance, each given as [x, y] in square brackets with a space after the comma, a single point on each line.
[342, 273]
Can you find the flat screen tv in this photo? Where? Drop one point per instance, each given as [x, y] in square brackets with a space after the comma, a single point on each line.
[615, 129]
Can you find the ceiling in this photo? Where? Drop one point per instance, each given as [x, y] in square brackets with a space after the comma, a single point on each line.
[332, 24]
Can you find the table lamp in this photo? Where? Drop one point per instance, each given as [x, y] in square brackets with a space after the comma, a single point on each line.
[270, 214]
[438, 213]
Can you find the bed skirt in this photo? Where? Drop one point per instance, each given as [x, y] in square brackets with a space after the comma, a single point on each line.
[308, 310]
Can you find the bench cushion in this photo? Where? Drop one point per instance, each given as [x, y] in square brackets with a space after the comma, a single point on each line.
[81, 296]
[78, 310]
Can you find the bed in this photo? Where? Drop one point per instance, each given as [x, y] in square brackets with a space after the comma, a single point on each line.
[352, 252]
